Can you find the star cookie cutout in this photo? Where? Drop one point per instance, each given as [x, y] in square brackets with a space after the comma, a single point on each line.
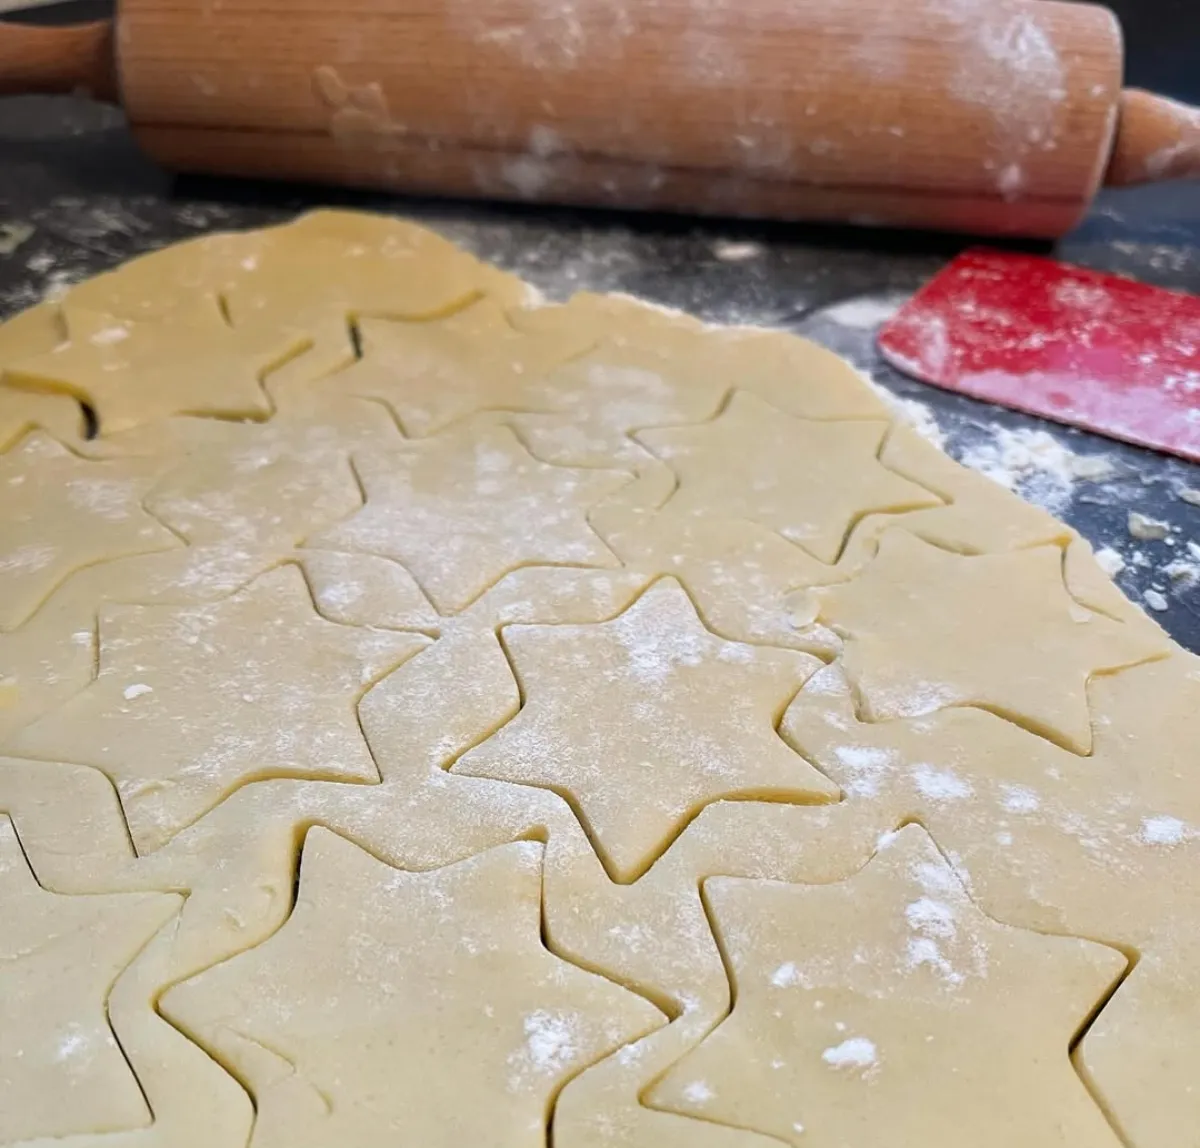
[926, 628]
[191, 702]
[435, 373]
[642, 721]
[133, 372]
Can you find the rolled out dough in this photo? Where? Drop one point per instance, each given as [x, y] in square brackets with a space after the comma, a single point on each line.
[431, 716]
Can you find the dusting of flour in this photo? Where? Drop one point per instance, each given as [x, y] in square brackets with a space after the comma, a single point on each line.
[1036, 465]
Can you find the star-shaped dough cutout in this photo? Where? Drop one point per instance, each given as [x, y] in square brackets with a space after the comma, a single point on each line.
[809, 481]
[926, 629]
[435, 373]
[61, 1070]
[465, 507]
[887, 1009]
[61, 513]
[131, 372]
[353, 1027]
[191, 702]
[644, 720]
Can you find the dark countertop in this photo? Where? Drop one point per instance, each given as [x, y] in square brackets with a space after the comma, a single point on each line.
[71, 171]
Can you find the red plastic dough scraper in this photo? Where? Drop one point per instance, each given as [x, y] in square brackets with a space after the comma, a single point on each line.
[1080, 347]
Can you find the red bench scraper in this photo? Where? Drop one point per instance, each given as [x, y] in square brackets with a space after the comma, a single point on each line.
[1080, 347]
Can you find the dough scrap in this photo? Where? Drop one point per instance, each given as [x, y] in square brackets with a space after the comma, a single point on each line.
[407, 612]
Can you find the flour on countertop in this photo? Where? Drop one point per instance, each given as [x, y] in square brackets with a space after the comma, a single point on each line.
[735, 251]
[1036, 465]
[865, 313]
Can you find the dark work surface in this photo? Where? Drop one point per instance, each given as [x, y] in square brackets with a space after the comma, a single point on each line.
[71, 172]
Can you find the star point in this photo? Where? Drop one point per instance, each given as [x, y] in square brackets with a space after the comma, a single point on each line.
[62, 513]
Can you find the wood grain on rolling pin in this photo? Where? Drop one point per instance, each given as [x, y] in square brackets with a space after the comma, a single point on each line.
[918, 112]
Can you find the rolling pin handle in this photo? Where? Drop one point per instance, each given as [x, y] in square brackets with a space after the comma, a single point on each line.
[1157, 138]
[57, 61]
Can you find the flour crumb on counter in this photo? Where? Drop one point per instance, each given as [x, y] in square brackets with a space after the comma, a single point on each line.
[921, 419]
[1155, 600]
[866, 312]
[1147, 529]
[1190, 496]
[737, 251]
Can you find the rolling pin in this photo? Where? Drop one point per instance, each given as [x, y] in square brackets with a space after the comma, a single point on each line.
[982, 116]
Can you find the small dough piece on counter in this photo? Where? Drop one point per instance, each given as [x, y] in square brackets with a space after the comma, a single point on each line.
[696, 718]
[61, 1069]
[131, 373]
[810, 481]
[191, 702]
[61, 513]
[887, 1009]
[353, 1027]
[463, 508]
[1032, 649]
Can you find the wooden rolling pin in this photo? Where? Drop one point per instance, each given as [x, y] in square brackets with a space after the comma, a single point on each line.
[984, 116]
